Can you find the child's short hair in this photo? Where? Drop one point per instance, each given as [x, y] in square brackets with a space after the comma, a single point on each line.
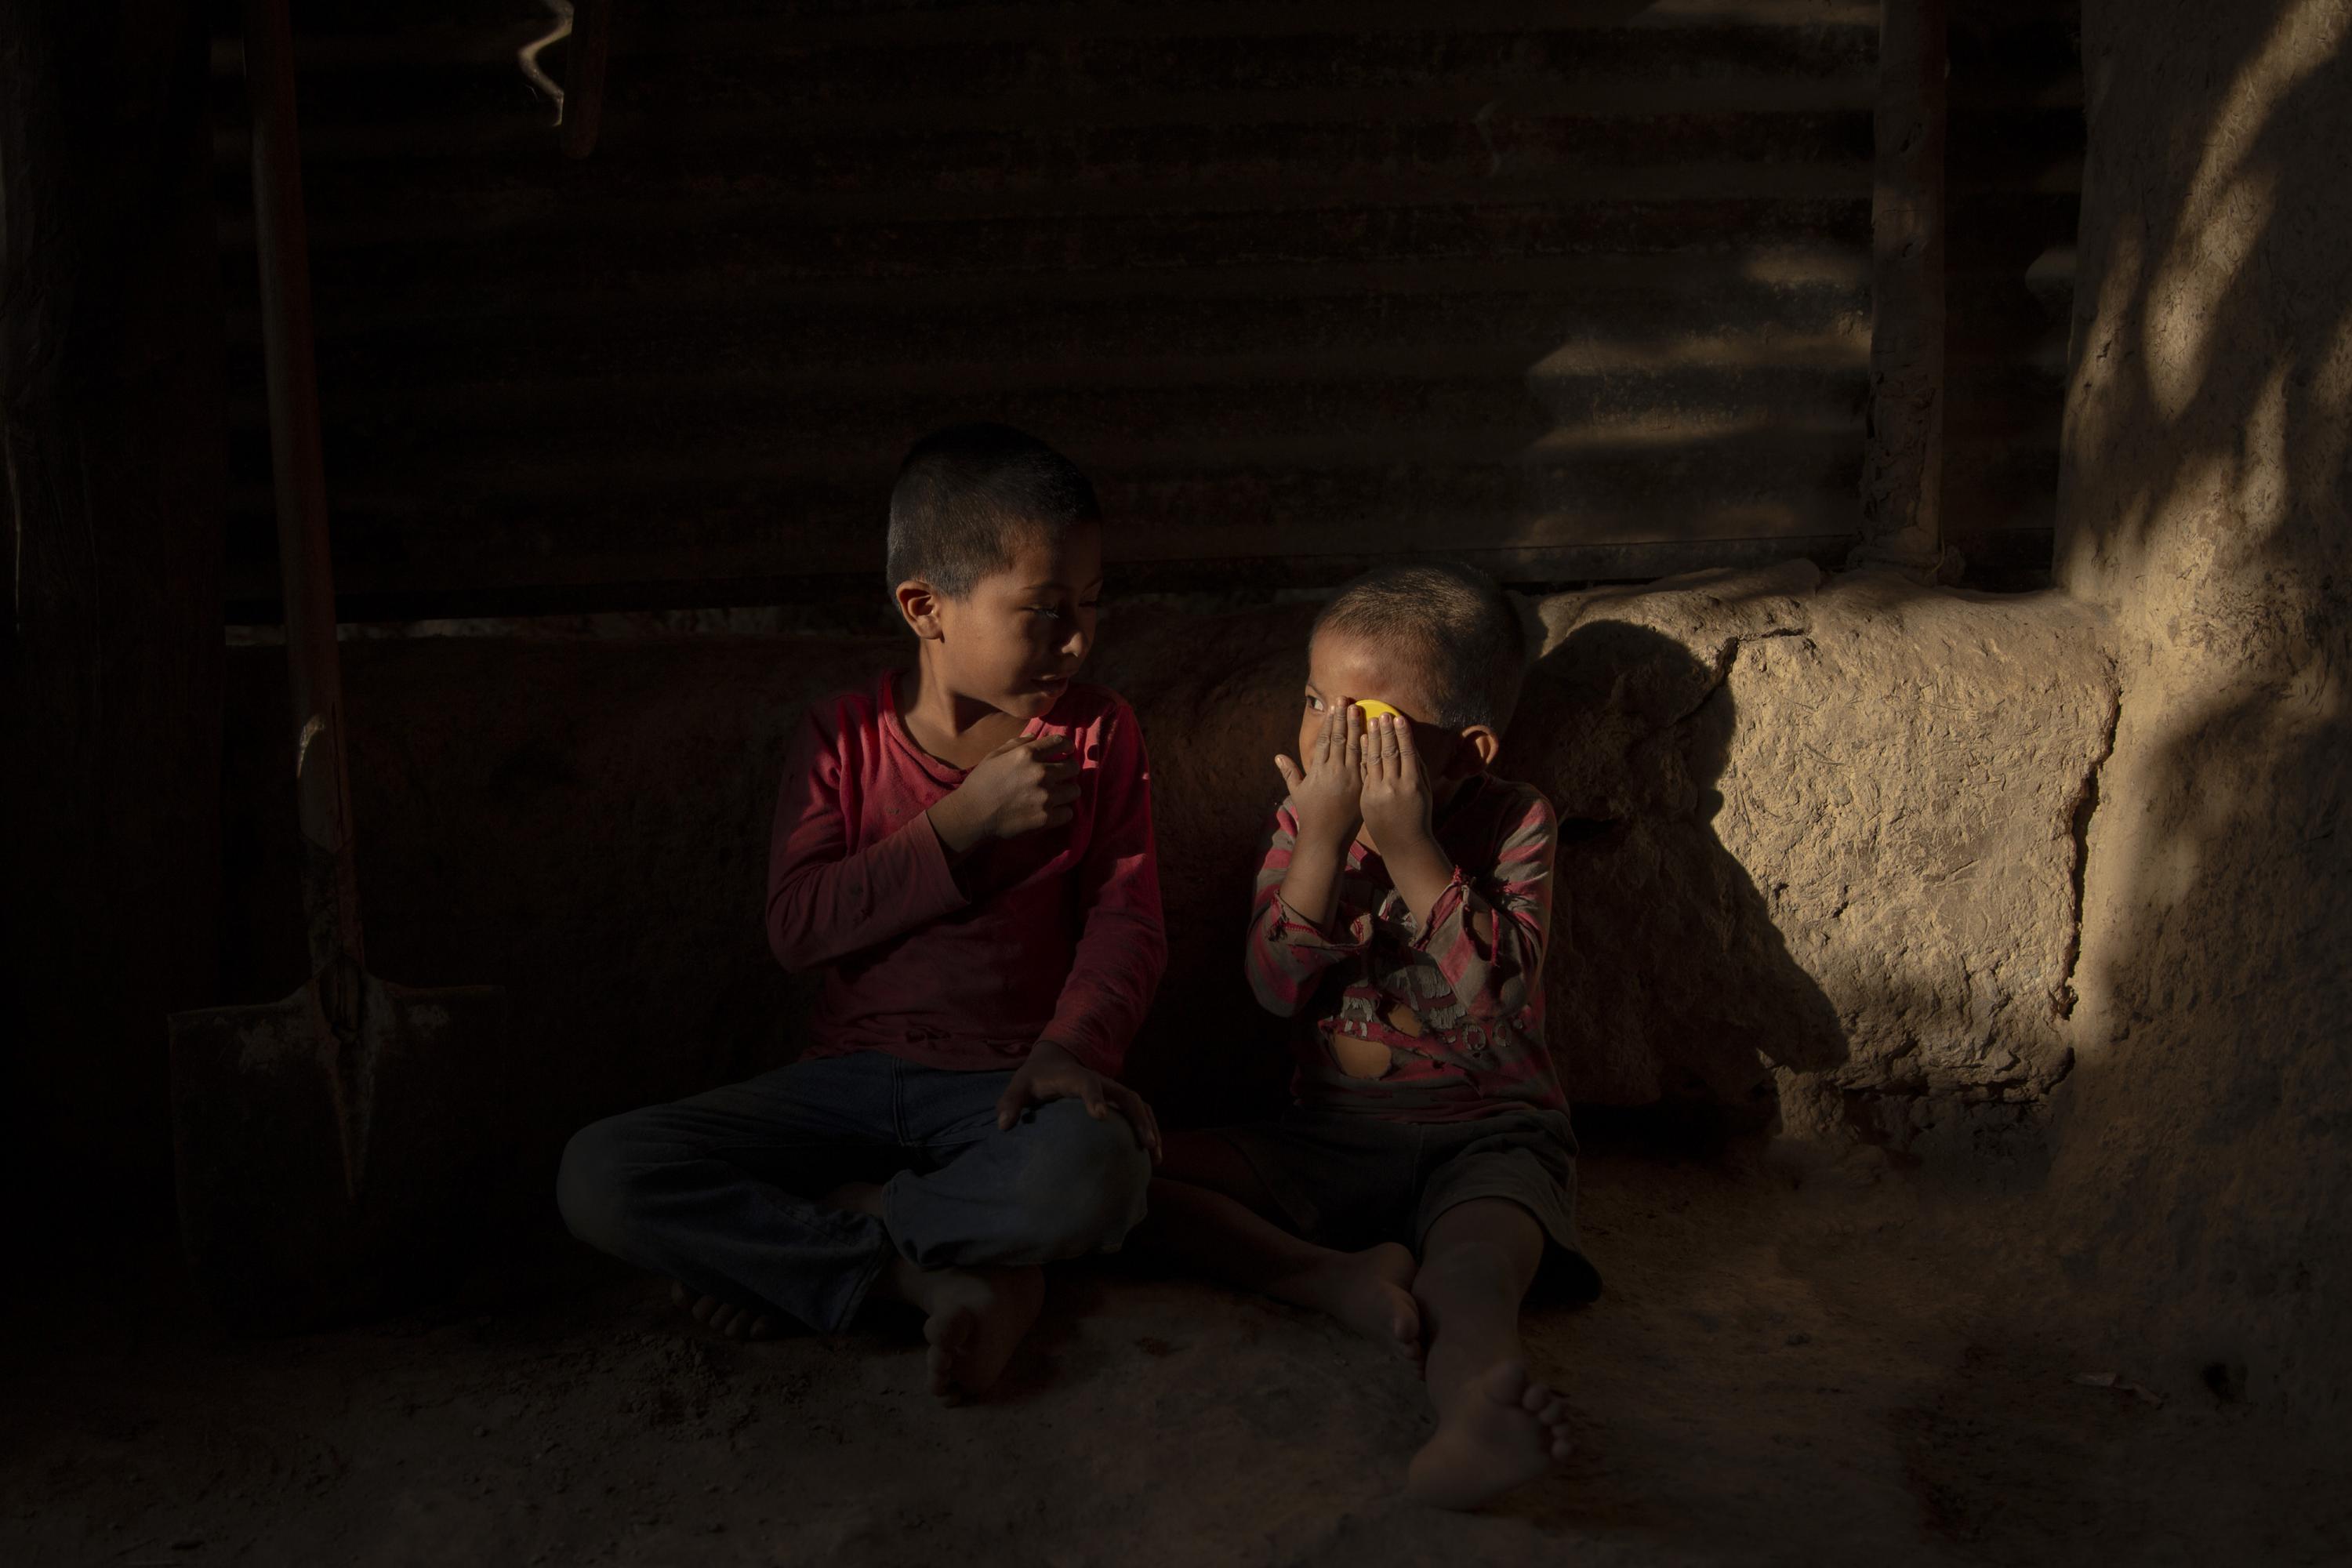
[1454, 622]
[969, 495]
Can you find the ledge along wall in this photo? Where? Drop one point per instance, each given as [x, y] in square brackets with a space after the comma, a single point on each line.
[2206, 1137]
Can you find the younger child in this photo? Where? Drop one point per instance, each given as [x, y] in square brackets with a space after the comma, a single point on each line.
[965, 849]
[1426, 1165]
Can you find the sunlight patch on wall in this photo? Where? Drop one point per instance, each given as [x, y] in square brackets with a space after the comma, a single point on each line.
[2323, 440]
[2229, 207]
[2265, 496]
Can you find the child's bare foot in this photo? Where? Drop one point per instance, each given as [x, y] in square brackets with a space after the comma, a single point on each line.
[735, 1322]
[1371, 1292]
[973, 1320]
[1505, 1430]
[857, 1197]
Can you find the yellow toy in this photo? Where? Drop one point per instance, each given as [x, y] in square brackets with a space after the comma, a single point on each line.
[1373, 709]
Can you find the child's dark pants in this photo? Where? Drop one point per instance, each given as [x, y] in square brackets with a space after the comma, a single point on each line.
[719, 1191]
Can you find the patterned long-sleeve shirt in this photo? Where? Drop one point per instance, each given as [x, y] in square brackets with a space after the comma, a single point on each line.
[1458, 1003]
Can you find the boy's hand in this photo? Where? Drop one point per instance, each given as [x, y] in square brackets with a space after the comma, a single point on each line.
[1028, 783]
[1053, 1073]
[1327, 793]
[1396, 802]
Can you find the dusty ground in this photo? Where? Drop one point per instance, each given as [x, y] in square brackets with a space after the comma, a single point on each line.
[1778, 1374]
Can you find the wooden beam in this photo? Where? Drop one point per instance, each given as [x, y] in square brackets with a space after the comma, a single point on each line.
[584, 90]
[306, 564]
[248, 603]
[1903, 458]
[113, 449]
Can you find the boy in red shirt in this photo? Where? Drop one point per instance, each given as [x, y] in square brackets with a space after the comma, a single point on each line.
[1402, 909]
[965, 849]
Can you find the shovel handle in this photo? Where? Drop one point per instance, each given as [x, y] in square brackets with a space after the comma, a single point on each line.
[306, 571]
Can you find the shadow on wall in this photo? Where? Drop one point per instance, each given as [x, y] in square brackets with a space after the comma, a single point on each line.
[2206, 1144]
[1630, 733]
[1218, 698]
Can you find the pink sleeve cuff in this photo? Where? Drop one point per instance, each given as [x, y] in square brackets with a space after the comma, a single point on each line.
[1290, 931]
[1442, 913]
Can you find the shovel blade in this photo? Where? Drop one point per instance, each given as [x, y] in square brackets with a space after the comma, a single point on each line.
[322, 1178]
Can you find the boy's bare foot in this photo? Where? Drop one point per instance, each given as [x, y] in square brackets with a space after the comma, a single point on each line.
[1505, 1430]
[857, 1197]
[735, 1322]
[1371, 1292]
[972, 1319]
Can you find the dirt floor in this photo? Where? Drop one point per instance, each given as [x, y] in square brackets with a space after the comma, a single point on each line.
[1826, 1371]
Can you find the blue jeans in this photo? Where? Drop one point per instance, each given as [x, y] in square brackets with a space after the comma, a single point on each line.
[719, 1191]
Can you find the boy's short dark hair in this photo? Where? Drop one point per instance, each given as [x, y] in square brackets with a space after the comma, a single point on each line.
[969, 495]
[1456, 625]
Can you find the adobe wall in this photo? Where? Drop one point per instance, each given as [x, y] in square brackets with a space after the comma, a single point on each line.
[2205, 1157]
[1819, 850]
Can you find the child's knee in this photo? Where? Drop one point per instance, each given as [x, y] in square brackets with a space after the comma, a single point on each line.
[593, 1184]
[1082, 1188]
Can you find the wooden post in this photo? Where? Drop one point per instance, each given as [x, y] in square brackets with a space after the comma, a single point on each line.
[1902, 457]
[584, 90]
[305, 567]
[112, 477]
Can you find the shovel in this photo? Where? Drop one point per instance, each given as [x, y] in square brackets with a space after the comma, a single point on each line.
[327, 1145]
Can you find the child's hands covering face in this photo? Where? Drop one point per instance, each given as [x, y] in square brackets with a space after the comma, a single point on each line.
[1028, 783]
[1395, 801]
[1326, 791]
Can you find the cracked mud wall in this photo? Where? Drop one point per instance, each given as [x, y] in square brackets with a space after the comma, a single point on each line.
[1818, 851]
[2205, 1142]
[1829, 849]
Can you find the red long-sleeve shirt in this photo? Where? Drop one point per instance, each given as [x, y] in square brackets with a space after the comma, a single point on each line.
[1459, 1003]
[1053, 934]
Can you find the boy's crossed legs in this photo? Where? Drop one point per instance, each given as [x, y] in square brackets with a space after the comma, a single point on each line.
[1458, 1308]
[973, 1319]
[718, 1191]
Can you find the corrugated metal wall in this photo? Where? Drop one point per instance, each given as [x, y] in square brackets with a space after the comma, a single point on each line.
[1580, 289]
